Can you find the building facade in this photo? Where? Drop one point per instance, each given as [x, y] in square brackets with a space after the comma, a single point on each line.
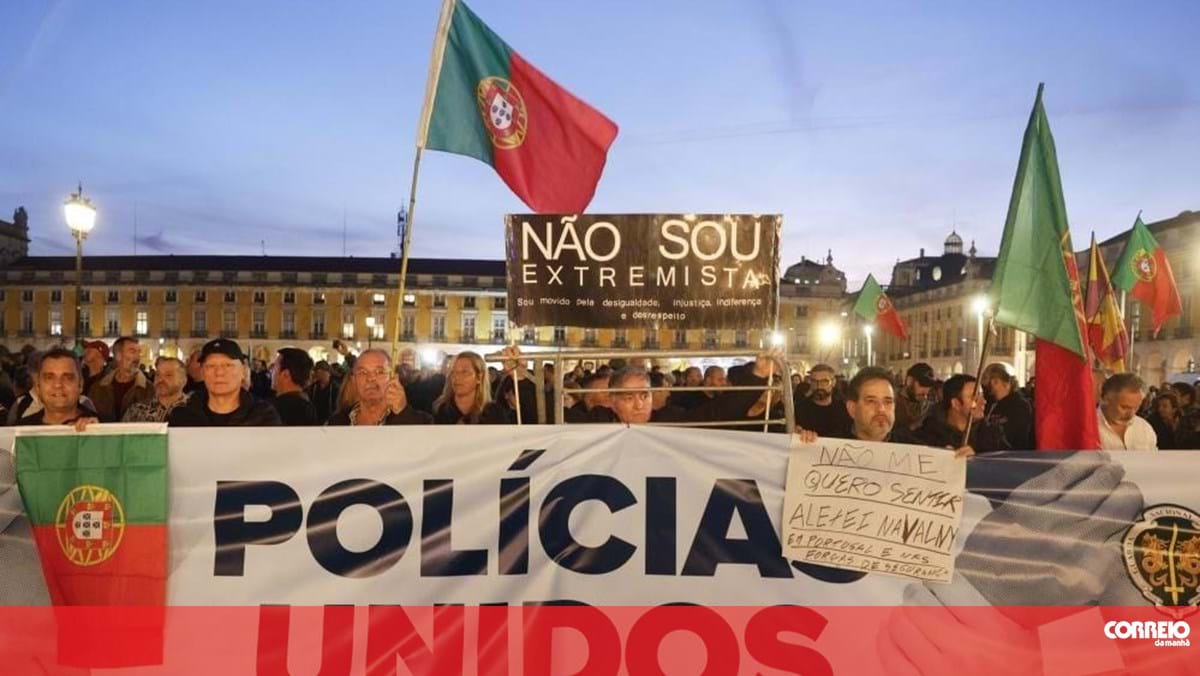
[1173, 352]
[176, 303]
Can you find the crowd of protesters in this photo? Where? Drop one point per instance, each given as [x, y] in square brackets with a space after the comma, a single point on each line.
[219, 385]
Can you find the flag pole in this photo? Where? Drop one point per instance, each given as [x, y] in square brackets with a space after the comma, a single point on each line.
[431, 83]
[983, 348]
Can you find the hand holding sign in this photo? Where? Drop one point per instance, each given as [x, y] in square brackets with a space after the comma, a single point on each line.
[874, 507]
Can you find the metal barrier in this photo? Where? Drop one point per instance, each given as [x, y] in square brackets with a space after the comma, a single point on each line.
[560, 391]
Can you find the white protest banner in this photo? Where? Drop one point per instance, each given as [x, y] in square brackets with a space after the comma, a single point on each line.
[353, 550]
[874, 507]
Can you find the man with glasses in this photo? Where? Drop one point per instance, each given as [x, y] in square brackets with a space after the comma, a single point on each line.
[821, 411]
[224, 403]
[381, 397]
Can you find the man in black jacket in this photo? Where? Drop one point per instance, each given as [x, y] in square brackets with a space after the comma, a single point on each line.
[224, 403]
[822, 411]
[323, 392]
[1010, 409]
[961, 402]
[289, 376]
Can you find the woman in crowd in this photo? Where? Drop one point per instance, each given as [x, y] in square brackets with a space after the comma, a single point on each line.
[466, 399]
[1164, 418]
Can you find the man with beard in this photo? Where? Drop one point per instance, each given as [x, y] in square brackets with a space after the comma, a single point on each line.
[124, 385]
[821, 411]
[913, 403]
[224, 402]
[961, 403]
[1120, 427]
[1009, 409]
[171, 376]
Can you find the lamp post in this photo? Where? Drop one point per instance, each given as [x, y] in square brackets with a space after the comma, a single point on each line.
[81, 218]
[370, 329]
[980, 306]
[868, 330]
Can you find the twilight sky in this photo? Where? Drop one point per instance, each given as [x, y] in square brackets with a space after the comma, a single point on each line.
[874, 127]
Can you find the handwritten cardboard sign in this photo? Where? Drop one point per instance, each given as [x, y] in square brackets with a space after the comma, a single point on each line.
[874, 507]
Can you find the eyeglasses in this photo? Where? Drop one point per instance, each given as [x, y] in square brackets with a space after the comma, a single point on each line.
[377, 373]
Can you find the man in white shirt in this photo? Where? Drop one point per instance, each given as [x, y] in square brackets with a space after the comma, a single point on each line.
[1120, 427]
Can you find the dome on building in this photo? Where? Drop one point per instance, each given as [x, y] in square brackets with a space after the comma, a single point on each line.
[954, 244]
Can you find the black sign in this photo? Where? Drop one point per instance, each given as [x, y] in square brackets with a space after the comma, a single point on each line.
[666, 271]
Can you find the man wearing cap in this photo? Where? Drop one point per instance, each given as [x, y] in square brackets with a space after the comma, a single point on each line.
[124, 386]
[224, 403]
[821, 411]
[95, 362]
[912, 404]
[1009, 408]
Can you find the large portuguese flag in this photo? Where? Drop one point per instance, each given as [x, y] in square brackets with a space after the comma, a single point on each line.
[874, 305]
[1037, 290]
[484, 100]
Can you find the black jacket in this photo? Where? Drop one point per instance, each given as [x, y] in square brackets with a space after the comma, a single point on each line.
[409, 416]
[1014, 415]
[826, 421]
[295, 410]
[985, 437]
[250, 412]
[324, 400]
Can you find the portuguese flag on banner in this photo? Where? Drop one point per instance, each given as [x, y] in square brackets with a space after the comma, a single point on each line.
[97, 502]
[874, 306]
[1145, 273]
[1037, 290]
[484, 100]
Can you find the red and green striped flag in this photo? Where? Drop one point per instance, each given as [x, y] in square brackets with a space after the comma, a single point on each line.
[1037, 290]
[97, 502]
[484, 100]
[1145, 273]
[874, 306]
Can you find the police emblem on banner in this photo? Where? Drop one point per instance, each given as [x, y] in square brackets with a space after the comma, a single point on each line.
[1162, 557]
[90, 524]
[1144, 265]
[503, 112]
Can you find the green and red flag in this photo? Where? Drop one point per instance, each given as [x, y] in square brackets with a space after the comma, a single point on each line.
[1145, 273]
[873, 305]
[97, 502]
[1105, 326]
[1037, 290]
[486, 101]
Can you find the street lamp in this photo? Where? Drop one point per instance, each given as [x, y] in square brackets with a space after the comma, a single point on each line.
[980, 306]
[81, 218]
[370, 329]
[868, 331]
